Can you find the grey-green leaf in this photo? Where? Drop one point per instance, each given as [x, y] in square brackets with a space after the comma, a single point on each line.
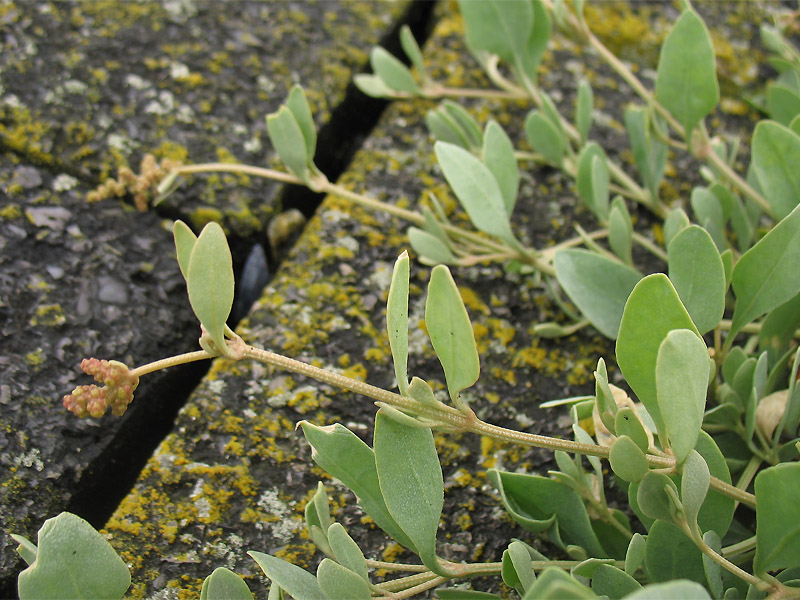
[347, 552]
[652, 311]
[777, 527]
[26, 549]
[712, 568]
[411, 48]
[686, 82]
[695, 481]
[620, 230]
[210, 281]
[476, 188]
[224, 584]
[627, 460]
[545, 138]
[429, 248]
[289, 142]
[671, 555]
[592, 180]
[450, 331]
[680, 588]
[583, 110]
[675, 222]
[613, 582]
[397, 320]
[372, 85]
[697, 272]
[393, 73]
[635, 554]
[299, 583]
[766, 276]
[73, 561]
[301, 111]
[652, 497]
[628, 423]
[184, 243]
[339, 582]
[682, 373]
[411, 483]
[501, 29]
[776, 154]
[498, 155]
[597, 285]
[342, 454]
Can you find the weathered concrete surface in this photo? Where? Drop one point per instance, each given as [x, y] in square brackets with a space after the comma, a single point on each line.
[85, 87]
[235, 476]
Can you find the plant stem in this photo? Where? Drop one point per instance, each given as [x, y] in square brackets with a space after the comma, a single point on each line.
[648, 245]
[740, 547]
[172, 361]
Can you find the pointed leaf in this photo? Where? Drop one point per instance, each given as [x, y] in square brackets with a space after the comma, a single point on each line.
[537, 40]
[289, 142]
[686, 82]
[397, 320]
[411, 48]
[184, 243]
[298, 105]
[298, 583]
[652, 311]
[697, 272]
[498, 155]
[339, 582]
[450, 331]
[466, 124]
[347, 552]
[695, 481]
[476, 188]
[766, 276]
[26, 549]
[429, 248]
[210, 282]
[393, 73]
[597, 285]
[410, 478]
[583, 110]
[545, 138]
[343, 455]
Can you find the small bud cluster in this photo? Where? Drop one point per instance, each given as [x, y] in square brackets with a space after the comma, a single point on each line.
[116, 393]
[150, 175]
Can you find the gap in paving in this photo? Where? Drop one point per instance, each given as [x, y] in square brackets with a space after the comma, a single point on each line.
[161, 395]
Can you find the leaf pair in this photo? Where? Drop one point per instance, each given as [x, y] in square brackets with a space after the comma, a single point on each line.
[294, 136]
[391, 77]
[206, 264]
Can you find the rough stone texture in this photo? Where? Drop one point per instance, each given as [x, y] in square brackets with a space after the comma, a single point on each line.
[85, 87]
[235, 475]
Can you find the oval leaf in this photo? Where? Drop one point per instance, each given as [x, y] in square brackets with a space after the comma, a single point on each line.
[184, 243]
[299, 583]
[224, 584]
[627, 459]
[210, 281]
[298, 105]
[686, 81]
[597, 285]
[289, 142]
[450, 331]
[393, 73]
[397, 320]
[682, 370]
[498, 155]
[339, 582]
[697, 272]
[776, 154]
[695, 481]
[545, 138]
[777, 527]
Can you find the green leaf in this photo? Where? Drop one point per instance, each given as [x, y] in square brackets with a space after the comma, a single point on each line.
[673, 589]
[537, 41]
[620, 230]
[410, 478]
[301, 111]
[545, 138]
[555, 584]
[675, 222]
[778, 328]
[612, 582]
[652, 498]
[597, 285]
[289, 142]
[743, 227]
[26, 549]
[649, 153]
[210, 281]
[777, 527]
[517, 570]
[429, 248]
[224, 584]
[393, 73]
[697, 272]
[712, 568]
[686, 81]
[682, 373]
[671, 555]
[412, 49]
[583, 110]
[450, 331]
[397, 320]
[465, 123]
[184, 243]
[766, 276]
[298, 583]
[498, 155]
[318, 519]
[343, 455]
[420, 391]
[537, 503]
[652, 311]
[477, 189]
[776, 153]
[635, 554]
[592, 180]
[373, 86]
[338, 581]
[627, 423]
[627, 459]
[708, 212]
[459, 594]
[695, 481]
[503, 30]
[73, 561]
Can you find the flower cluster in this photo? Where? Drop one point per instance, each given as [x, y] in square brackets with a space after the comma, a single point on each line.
[116, 393]
[150, 175]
